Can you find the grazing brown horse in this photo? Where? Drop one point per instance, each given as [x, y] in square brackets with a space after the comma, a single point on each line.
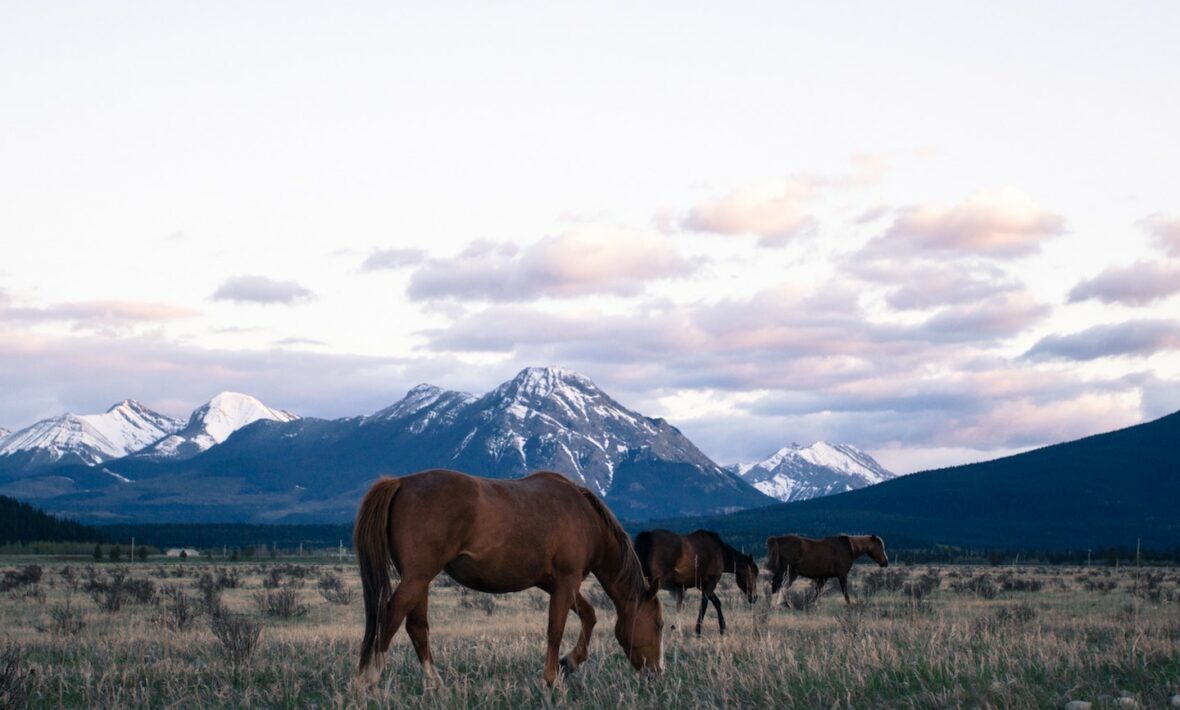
[820, 560]
[695, 560]
[498, 536]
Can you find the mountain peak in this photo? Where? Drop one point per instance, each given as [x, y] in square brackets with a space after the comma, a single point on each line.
[797, 472]
[90, 438]
[213, 422]
[421, 397]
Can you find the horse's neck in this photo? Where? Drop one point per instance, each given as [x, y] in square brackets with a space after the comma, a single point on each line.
[608, 572]
[858, 546]
[728, 559]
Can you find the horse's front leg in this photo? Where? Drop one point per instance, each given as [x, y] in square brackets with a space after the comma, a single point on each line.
[561, 599]
[585, 611]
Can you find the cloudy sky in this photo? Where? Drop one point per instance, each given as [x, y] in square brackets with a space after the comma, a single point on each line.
[938, 233]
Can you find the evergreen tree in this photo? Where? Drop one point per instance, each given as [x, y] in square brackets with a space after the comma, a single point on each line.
[97, 552]
[116, 553]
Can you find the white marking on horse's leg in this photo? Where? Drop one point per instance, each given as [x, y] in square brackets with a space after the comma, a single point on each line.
[372, 674]
[433, 679]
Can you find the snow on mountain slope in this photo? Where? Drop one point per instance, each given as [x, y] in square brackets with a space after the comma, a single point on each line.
[123, 429]
[553, 419]
[212, 423]
[798, 473]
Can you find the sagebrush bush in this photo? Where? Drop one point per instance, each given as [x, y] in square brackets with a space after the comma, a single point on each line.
[14, 677]
[281, 603]
[333, 589]
[237, 634]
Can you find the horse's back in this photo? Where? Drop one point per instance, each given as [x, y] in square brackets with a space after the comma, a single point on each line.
[660, 553]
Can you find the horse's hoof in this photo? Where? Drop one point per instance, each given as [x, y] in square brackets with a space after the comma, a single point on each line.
[567, 666]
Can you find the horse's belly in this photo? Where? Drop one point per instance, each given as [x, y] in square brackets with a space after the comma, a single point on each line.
[493, 576]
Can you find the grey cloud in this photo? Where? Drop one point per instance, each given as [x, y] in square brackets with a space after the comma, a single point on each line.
[994, 319]
[1166, 231]
[261, 289]
[1136, 285]
[84, 374]
[383, 259]
[1132, 338]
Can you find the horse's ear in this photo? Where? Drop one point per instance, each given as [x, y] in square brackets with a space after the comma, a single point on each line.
[653, 588]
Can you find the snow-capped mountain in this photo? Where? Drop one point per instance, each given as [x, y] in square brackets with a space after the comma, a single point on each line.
[212, 423]
[315, 470]
[798, 473]
[3, 433]
[87, 438]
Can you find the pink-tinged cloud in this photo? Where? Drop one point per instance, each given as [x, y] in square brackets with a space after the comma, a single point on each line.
[1166, 231]
[252, 288]
[1135, 285]
[996, 224]
[774, 213]
[1134, 338]
[584, 261]
[95, 314]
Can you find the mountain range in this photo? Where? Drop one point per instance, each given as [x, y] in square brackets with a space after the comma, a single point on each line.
[238, 460]
[797, 472]
[1118, 489]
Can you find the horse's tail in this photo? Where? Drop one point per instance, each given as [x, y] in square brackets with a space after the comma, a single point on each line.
[643, 545]
[373, 556]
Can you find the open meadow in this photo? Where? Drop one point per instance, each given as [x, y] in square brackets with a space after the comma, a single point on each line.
[285, 634]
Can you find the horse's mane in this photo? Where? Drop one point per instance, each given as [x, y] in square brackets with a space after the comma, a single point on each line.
[630, 570]
[731, 554]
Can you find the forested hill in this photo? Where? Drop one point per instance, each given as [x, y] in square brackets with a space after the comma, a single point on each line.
[21, 522]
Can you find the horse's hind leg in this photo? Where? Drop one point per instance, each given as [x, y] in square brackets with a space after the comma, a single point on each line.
[717, 605]
[418, 629]
[844, 588]
[704, 608]
[408, 595]
[585, 611]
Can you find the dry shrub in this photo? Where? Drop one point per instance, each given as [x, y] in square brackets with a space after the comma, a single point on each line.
[237, 634]
[1017, 615]
[210, 594]
[177, 612]
[981, 585]
[281, 603]
[539, 602]
[803, 599]
[477, 600]
[332, 588]
[108, 594]
[16, 579]
[64, 620]
[1015, 583]
[883, 580]
[14, 677]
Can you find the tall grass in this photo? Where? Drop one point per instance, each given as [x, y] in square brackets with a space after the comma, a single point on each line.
[914, 640]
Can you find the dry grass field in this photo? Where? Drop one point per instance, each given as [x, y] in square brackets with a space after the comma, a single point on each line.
[196, 634]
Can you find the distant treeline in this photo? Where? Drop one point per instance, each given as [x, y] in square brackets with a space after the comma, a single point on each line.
[233, 535]
[21, 522]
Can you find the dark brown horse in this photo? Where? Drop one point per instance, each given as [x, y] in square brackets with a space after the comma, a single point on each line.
[819, 560]
[695, 560]
[498, 536]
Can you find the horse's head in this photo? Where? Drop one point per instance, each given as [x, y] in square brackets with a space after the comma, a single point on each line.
[876, 551]
[747, 577]
[640, 629]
